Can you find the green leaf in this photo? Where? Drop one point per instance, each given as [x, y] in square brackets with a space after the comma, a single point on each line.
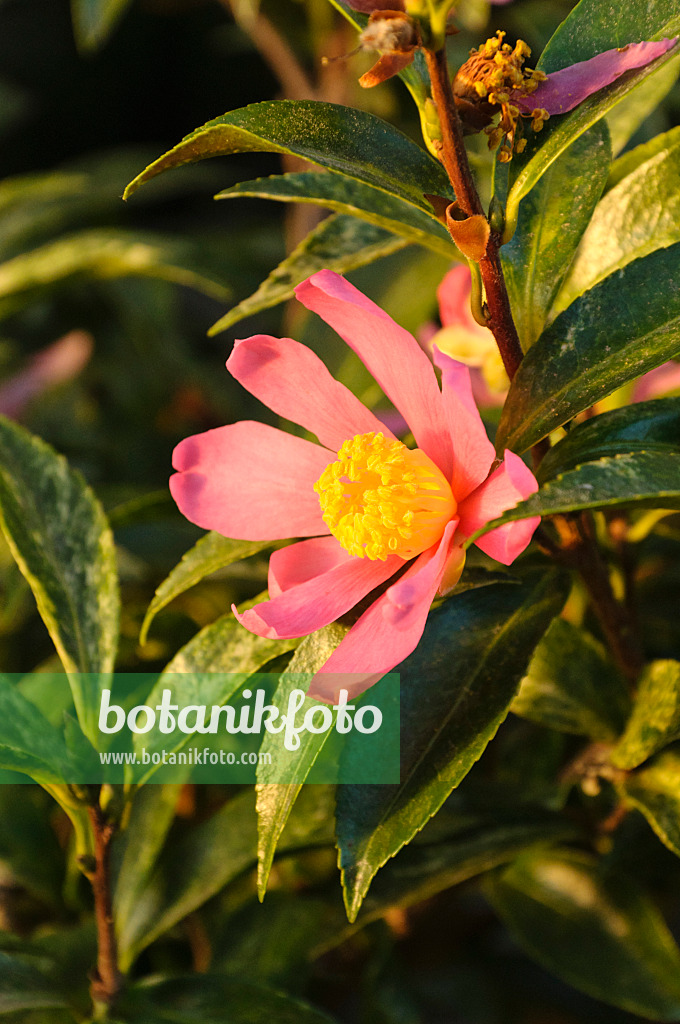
[23, 986]
[591, 28]
[200, 861]
[551, 222]
[632, 112]
[103, 255]
[636, 217]
[150, 817]
[644, 426]
[275, 800]
[470, 835]
[352, 142]
[345, 195]
[599, 933]
[61, 541]
[455, 691]
[210, 553]
[209, 670]
[641, 479]
[339, 243]
[212, 999]
[655, 791]
[628, 324]
[28, 743]
[94, 20]
[572, 686]
[655, 719]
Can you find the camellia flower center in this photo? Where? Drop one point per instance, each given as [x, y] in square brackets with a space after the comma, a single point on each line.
[381, 498]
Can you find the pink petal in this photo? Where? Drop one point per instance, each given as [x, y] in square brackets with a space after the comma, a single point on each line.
[507, 485]
[389, 631]
[473, 452]
[565, 89]
[250, 481]
[657, 382]
[390, 354]
[310, 605]
[288, 567]
[292, 380]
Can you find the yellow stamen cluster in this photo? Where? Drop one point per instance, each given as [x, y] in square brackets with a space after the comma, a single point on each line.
[488, 79]
[381, 498]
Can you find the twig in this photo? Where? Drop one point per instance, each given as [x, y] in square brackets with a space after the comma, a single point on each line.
[454, 159]
[106, 977]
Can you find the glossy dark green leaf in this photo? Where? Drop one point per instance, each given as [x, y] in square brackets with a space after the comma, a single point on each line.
[23, 986]
[469, 836]
[352, 142]
[346, 195]
[655, 792]
[455, 691]
[551, 222]
[572, 686]
[599, 933]
[591, 28]
[637, 216]
[61, 541]
[339, 243]
[644, 426]
[628, 324]
[655, 719]
[94, 20]
[212, 999]
[101, 255]
[28, 743]
[210, 553]
[642, 479]
[275, 799]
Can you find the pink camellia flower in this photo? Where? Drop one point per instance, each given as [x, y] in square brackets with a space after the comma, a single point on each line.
[373, 510]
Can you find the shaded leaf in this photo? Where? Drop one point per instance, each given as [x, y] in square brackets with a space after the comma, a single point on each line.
[61, 541]
[339, 243]
[455, 691]
[103, 255]
[599, 933]
[23, 986]
[345, 195]
[275, 800]
[210, 553]
[94, 20]
[572, 686]
[655, 719]
[626, 325]
[644, 426]
[212, 999]
[655, 791]
[551, 222]
[637, 216]
[352, 142]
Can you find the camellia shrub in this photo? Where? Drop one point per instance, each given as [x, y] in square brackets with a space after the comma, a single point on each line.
[462, 676]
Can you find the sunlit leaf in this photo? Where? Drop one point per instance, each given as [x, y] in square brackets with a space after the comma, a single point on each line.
[655, 719]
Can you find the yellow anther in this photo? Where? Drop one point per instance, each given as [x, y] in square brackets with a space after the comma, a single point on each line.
[381, 498]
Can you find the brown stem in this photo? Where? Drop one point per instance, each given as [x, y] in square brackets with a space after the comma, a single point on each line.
[454, 159]
[580, 552]
[106, 977]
